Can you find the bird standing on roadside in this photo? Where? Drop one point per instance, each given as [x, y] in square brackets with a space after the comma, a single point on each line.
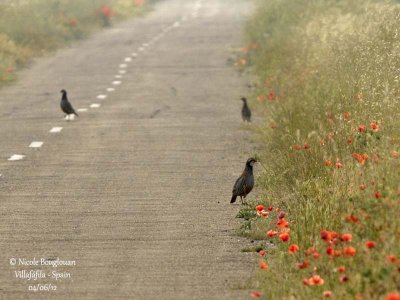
[245, 183]
[66, 107]
[246, 112]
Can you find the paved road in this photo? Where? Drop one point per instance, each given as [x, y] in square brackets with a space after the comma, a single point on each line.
[137, 190]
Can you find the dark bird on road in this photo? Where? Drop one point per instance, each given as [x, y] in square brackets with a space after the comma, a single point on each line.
[245, 183]
[246, 112]
[66, 105]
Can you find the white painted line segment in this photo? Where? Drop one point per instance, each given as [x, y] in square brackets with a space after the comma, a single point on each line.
[55, 129]
[122, 71]
[116, 82]
[101, 96]
[128, 59]
[95, 105]
[134, 54]
[82, 109]
[110, 89]
[16, 157]
[122, 66]
[36, 144]
[118, 76]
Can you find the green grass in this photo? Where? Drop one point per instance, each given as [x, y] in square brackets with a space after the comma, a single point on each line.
[31, 28]
[325, 68]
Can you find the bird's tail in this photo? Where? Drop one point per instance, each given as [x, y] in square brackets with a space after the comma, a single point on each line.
[233, 198]
[75, 114]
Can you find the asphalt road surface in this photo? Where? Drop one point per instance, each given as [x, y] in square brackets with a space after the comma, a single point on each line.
[135, 192]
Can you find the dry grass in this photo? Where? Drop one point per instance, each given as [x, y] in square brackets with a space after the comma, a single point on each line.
[329, 76]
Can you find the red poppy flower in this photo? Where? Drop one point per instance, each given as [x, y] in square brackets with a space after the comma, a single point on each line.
[106, 11]
[317, 280]
[263, 265]
[271, 233]
[351, 218]
[392, 258]
[270, 208]
[374, 126]
[339, 164]
[282, 223]
[346, 115]
[342, 269]
[325, 235]
[349, 251]
[281, 215]
[327, 294]
[349, 141]
[293, 248]
[297, 147]
[271, 95]
[284, 237]
[362, 128]
[263, 213]
[346, 237]
[259, 207]
[306, 146]
[330, 251]
[255, 294]
[378, 195]
[370, 244]
[394, 154]
[262, 252]
[393, 296]
[328, 163]
[343, 278]
[316, 254]
[303, 264]
[361, 158]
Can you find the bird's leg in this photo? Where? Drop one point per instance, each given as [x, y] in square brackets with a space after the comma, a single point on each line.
[66, 117]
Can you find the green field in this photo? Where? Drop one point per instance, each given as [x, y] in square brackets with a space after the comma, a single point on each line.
[328, 92]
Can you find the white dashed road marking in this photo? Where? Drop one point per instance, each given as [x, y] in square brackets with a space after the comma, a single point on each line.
[36, 144]
[82, 109]
[128, 59]
[110, 89]
[95, 105]
[56, 129]
[16, 157]
[118, 76]
[116, 82]
[134, 54]
[122, 66]
[141, 49]
[122, 71]
[101, 96]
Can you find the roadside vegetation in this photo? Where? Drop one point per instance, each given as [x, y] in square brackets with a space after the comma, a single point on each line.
[31, 28]
[329, 94]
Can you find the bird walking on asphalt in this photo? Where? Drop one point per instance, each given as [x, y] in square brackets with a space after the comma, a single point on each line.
[245, 183]
[246, 112]
[66, 106]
